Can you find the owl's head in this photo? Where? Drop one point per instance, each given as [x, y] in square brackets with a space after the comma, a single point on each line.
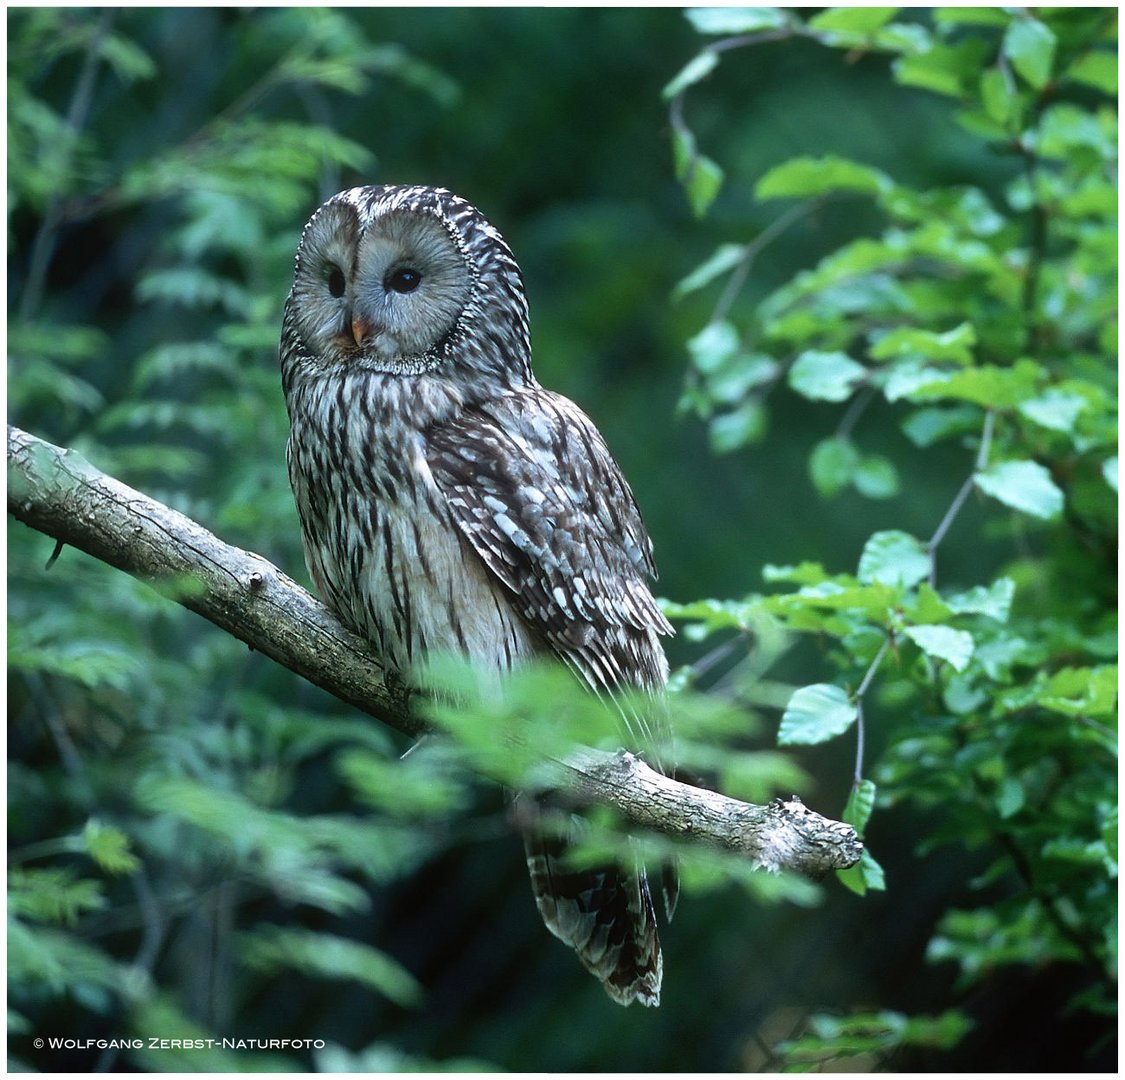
[405, 280]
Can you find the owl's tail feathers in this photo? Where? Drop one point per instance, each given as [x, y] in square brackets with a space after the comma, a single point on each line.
[605, 915]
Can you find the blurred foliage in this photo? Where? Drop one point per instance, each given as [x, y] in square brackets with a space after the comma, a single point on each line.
[203, 846]
[986, 319]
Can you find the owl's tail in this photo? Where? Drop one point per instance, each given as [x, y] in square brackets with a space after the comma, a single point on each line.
[604, 914]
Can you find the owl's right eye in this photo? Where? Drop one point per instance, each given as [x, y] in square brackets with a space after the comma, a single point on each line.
[336, 281]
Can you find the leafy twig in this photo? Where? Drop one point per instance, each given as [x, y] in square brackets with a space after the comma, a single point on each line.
[947, 520]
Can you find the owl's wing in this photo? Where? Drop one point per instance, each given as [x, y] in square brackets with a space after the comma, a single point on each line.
[532, 485]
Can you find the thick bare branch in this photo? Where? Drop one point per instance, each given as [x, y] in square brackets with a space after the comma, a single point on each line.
[785, 835]
[59, 493]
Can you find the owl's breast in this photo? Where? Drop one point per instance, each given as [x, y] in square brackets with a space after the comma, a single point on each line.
[380, 542]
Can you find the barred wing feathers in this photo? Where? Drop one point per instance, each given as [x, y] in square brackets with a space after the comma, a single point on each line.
[531, 484]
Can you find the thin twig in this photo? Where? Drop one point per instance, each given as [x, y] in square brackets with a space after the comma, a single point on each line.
[754, 248]
[979, 465]
[854, 411]
[859, 694]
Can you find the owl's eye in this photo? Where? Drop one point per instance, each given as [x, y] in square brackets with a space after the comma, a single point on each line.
[403, 280]
[336, 281]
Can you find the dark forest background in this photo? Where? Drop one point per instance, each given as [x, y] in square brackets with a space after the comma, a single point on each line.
[203, 845]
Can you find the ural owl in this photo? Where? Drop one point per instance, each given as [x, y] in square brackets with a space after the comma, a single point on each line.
[449, 502]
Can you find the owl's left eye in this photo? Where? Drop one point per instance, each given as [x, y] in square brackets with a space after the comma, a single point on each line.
[403, 280]
[336, 281]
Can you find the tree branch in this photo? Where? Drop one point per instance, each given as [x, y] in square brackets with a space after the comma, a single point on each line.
[59, 493]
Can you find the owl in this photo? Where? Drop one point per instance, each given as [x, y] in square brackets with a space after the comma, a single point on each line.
[450, 503]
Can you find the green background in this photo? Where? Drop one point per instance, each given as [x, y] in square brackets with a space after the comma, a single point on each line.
[551, 121]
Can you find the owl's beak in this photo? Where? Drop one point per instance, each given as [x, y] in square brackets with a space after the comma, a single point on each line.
[362, 329]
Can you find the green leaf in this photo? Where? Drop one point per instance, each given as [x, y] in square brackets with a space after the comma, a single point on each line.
[1054, 409]
[998, 94]
[392, 59]
[1010, 797]
[987, 384]
[1024, 486]
[703, 182]
[994, 602]
[894, 558]
[943, 643]
[69, 344]
[194, 1049]
[971, 16]
[722, 613]
[954, 346]
[129, 62]
[283, 851]
[192, 287]
[725, 258]
[807, 573]
[741, 374]
[730, 431]
[832, 595]
[876, 477]
[925, 427]
[802, 177]
[903, 38]
[736, 20]
[927, 606]
[866, 874]
[825, 376]
[848, 1042]
[109, 848]
[909, 378]
[57, 962]
[87, 663]
[684, 150]
[856, 20]
[1030, 46]
[713, 346]
[953, 70]
[52, 894]
[1086, 691]
[869, 28]
[1109, 471]
[861, 802]
[697, 68]
[275, 949]
[815, 714]
[1097, 69]
[1067, 131]
[832, 464]
[414, 788]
